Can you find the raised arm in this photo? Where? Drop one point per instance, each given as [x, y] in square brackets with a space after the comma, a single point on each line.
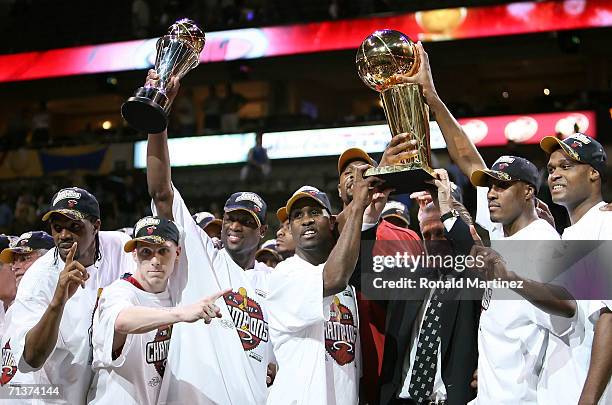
[158, 160]
[42, 338]
[343, 257]
[460, 148]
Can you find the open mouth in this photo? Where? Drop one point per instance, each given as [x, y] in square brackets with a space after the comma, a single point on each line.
[557, 187]
[309, 234]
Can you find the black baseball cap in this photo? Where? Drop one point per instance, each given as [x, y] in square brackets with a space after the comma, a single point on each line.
[581, 148]
[5, 241]
[396, 209]
[508, 168]
[153, 230]
[312, 193]
[26, 243]
[74, 203]
[249, 202]
[204, 219]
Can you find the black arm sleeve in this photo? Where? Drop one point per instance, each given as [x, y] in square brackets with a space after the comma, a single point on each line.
[460, 237]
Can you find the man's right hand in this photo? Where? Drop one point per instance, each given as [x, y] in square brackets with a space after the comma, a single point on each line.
[401, 147]
[363, 189]
[171, 90]
[204, 309]
[73, 276]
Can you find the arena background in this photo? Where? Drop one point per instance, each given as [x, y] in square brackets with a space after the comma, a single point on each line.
[59, 102]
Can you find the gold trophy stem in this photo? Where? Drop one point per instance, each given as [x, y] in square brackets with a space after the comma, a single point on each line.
[407, 112]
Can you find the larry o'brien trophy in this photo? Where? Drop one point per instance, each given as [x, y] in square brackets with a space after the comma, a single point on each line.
[177, 53]
[381, 56]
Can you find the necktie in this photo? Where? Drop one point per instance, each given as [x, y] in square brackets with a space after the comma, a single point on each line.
[426, 359]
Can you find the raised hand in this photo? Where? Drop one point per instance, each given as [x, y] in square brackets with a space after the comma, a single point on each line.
[400, 148]
[443, 185]
[172, 88]
[363, 189]
[71, 277]
[422, 77]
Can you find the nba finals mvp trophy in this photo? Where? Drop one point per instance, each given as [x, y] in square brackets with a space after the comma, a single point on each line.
[177, 53]
[380, 57]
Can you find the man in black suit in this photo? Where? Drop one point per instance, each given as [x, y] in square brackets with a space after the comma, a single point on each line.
[413, 371]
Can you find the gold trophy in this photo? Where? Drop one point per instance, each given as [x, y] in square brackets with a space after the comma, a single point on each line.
[381, 56]
[177, 53]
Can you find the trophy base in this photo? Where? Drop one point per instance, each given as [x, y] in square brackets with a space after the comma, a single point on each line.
[145, 111]
[404, 178]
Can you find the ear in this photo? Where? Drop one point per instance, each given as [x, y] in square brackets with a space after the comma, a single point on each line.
[339, 192]
[135, 255]
[529, 192]
[178, 252]
[332, 222]
[594, 174]
[97, 225]
[262, 231]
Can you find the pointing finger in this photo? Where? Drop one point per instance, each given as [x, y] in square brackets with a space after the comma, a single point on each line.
[71, 253]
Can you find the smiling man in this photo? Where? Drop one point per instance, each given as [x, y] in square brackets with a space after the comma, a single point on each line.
[50, 320]
[576, 171]
[133, 322]
[234, 351]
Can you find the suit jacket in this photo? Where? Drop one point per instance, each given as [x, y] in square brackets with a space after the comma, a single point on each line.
[458, 337]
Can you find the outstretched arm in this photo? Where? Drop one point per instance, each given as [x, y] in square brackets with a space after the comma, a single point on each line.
[158, 160]
[460, 147]
[136, 320]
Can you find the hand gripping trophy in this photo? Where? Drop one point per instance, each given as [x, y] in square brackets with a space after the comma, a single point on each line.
[177, 53]
[381, 56]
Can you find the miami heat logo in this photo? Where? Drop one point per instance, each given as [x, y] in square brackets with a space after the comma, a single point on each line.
[150, 230]
[9, 367]
[502, 166]
[72, 203]
[340, 333]
[248, 318]
[156, 352]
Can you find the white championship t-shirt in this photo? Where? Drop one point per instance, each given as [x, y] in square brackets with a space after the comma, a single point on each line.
[514, 334]
[134, 375]
[315, 338]
[568, 358]
[9, 375]
[69, 365]
[226, 361]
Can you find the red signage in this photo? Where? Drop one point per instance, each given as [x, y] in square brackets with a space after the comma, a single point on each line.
[431, 25]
